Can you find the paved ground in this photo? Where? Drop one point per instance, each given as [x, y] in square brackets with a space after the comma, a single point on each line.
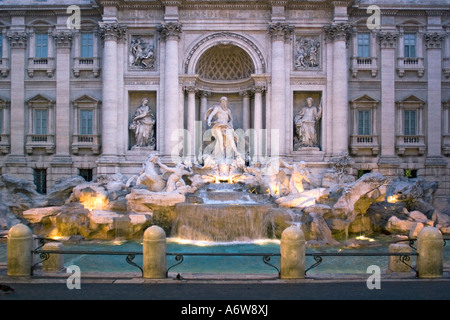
[258, 292]
[221, 297]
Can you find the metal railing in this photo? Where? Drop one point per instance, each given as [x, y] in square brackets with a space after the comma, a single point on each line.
[45, 254]
[266, 257]
[404, 257]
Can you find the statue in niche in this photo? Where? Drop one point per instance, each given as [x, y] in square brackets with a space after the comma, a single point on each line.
[142, 54]
[143, 125]
[219, 117]
[307, 54]
[306, 123]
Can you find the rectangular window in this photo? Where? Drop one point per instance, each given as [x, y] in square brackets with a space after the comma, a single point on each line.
[40, 121]
[86, 174]
[410, 45]
[364, 127]
[363, 45]
[1, 46]
[410, 122]
[87, 45]
[41, 45]
[40, 180]
[86, 117]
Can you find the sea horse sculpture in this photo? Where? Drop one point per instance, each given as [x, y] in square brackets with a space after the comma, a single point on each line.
[149, 176]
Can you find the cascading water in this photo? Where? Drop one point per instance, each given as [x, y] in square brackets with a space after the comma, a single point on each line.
[222, 212]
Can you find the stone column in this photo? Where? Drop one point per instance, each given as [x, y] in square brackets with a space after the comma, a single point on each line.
[63, 41]
[278, 32]
[245, 110]
[190, 143]
[111, 32]
[433, 42]
[18, 44]
[338, 34]
[258, 122]
[388, 43]
[170, 33]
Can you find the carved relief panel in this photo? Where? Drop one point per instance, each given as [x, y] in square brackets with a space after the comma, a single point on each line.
[142, 52]
[307, 53]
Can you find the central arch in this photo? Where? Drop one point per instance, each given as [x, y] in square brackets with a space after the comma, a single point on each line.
[224, 38]
[224, 64]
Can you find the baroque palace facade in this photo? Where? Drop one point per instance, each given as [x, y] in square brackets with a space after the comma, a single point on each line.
[92, 87]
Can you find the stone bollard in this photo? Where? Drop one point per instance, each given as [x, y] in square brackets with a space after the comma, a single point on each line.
[154, 253]
[292, 250]
[18, 250]
[55, 262]
[395, 265]
[430, 249]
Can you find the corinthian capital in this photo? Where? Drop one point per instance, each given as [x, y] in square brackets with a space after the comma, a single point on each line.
[337, 31]
[387, 39]
[63, 39]
[170, 30]
[280, 31]
[112, 31]
[17, 39]
[433, 40]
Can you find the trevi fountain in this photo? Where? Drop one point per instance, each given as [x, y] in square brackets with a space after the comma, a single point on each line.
[227, 198]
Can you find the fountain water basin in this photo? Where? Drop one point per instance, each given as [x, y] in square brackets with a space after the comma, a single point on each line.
[222, 212]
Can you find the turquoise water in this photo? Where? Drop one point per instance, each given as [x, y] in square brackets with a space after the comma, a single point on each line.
[220, 264]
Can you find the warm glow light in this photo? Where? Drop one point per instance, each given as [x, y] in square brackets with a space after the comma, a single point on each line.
[365, 238]
[275, 189]
[93, 202]
[118, 242]
[56, 236]
[392, 199]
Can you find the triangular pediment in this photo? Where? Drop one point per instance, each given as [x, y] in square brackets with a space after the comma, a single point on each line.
[365, 99]
[411, 99]
[39, 98]
[86, 99]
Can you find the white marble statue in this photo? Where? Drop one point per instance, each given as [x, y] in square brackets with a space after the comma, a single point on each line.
[175, 180]
[219, 117]
[148, 176]
[299, 173]
[275, 178]
[143, 125]
[306, 123]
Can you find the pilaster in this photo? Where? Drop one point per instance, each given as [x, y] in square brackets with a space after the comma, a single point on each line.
[63, 42]
[170, 33]
[388, 161]
[18, 44]
[339, 34]
[111, 33]
[433, 44]
[279, 32]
